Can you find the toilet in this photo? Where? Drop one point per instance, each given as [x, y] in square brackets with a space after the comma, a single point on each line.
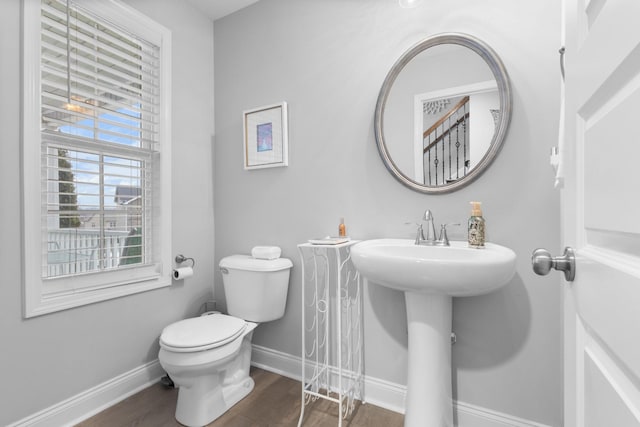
[208, 357]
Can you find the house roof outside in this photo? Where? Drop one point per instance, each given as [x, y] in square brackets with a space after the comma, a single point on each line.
[125, 194]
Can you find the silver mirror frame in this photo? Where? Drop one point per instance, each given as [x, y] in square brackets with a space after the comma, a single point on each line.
[504, 93]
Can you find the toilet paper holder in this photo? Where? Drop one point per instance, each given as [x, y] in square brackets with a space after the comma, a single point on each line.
[181, 258]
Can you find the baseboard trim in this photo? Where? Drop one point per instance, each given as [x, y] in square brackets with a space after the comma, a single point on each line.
[476, 416]
[386, 394]
[276, 361]
[377, 392]
[88, 403]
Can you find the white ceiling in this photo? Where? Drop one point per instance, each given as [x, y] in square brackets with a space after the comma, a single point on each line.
[215, 9]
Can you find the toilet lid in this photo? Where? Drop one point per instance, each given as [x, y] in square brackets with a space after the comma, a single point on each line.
[201, 333]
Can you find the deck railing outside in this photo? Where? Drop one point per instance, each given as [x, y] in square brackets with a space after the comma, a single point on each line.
[79, 250]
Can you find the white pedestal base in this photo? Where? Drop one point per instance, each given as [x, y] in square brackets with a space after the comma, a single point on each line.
[428, 401]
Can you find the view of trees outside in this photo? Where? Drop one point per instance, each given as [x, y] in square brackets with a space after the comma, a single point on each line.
[68, 199]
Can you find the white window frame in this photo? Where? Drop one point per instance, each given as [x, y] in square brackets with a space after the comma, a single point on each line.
[41, 296]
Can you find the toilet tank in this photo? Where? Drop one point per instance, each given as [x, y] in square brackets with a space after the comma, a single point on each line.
[255, 289]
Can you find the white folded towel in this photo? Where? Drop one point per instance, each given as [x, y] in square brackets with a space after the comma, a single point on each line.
[266, 252]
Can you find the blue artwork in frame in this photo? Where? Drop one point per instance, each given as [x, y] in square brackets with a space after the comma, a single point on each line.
[264, 137]
[265, 142]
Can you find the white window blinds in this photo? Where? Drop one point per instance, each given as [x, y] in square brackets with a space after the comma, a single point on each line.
[98, 81]
[100, 112]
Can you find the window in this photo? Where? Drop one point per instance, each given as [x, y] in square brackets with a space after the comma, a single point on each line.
[96, 183]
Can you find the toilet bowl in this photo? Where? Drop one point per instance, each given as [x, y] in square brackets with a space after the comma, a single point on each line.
[208, 357]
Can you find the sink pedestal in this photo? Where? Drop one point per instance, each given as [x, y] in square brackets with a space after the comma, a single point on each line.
[428, 400]
[430, 276]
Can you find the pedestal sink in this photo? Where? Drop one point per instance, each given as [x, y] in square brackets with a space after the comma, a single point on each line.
[430, 276]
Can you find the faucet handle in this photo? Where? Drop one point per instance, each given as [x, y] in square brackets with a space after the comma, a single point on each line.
[419, 231]
[419, 234]
[444, 239]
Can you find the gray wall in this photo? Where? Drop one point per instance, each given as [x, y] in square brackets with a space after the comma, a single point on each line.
[48, 359]
[328, 59]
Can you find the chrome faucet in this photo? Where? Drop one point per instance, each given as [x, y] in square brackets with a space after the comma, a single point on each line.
[430, 239]
[431, 230]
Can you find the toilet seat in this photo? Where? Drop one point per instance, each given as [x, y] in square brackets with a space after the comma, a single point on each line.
[201, 333]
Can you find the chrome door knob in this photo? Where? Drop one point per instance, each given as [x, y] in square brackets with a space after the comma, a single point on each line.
[542, 262]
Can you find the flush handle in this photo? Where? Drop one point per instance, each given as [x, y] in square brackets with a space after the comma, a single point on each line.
[542, 262]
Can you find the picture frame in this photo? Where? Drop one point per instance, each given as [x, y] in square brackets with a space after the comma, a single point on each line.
[265, 142]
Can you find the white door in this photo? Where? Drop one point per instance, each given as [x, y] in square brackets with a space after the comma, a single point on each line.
[601, 213]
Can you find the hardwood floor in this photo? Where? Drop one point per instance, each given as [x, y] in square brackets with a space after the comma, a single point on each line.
[274, 402]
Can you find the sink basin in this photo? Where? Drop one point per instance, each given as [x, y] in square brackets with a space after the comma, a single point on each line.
[430, 277]
[455, 270]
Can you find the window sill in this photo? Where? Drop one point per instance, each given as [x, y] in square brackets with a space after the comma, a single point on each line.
[51, 303]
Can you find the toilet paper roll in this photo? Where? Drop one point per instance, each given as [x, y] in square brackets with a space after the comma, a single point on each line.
[182, 273]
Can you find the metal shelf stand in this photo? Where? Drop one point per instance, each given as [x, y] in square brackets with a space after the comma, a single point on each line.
[332, 334]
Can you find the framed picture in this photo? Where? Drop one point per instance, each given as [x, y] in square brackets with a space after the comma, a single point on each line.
[265, 137]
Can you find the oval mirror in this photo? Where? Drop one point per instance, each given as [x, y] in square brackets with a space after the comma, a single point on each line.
[443, 113]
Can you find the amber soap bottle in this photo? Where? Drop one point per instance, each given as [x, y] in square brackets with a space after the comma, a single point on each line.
[342, 229]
